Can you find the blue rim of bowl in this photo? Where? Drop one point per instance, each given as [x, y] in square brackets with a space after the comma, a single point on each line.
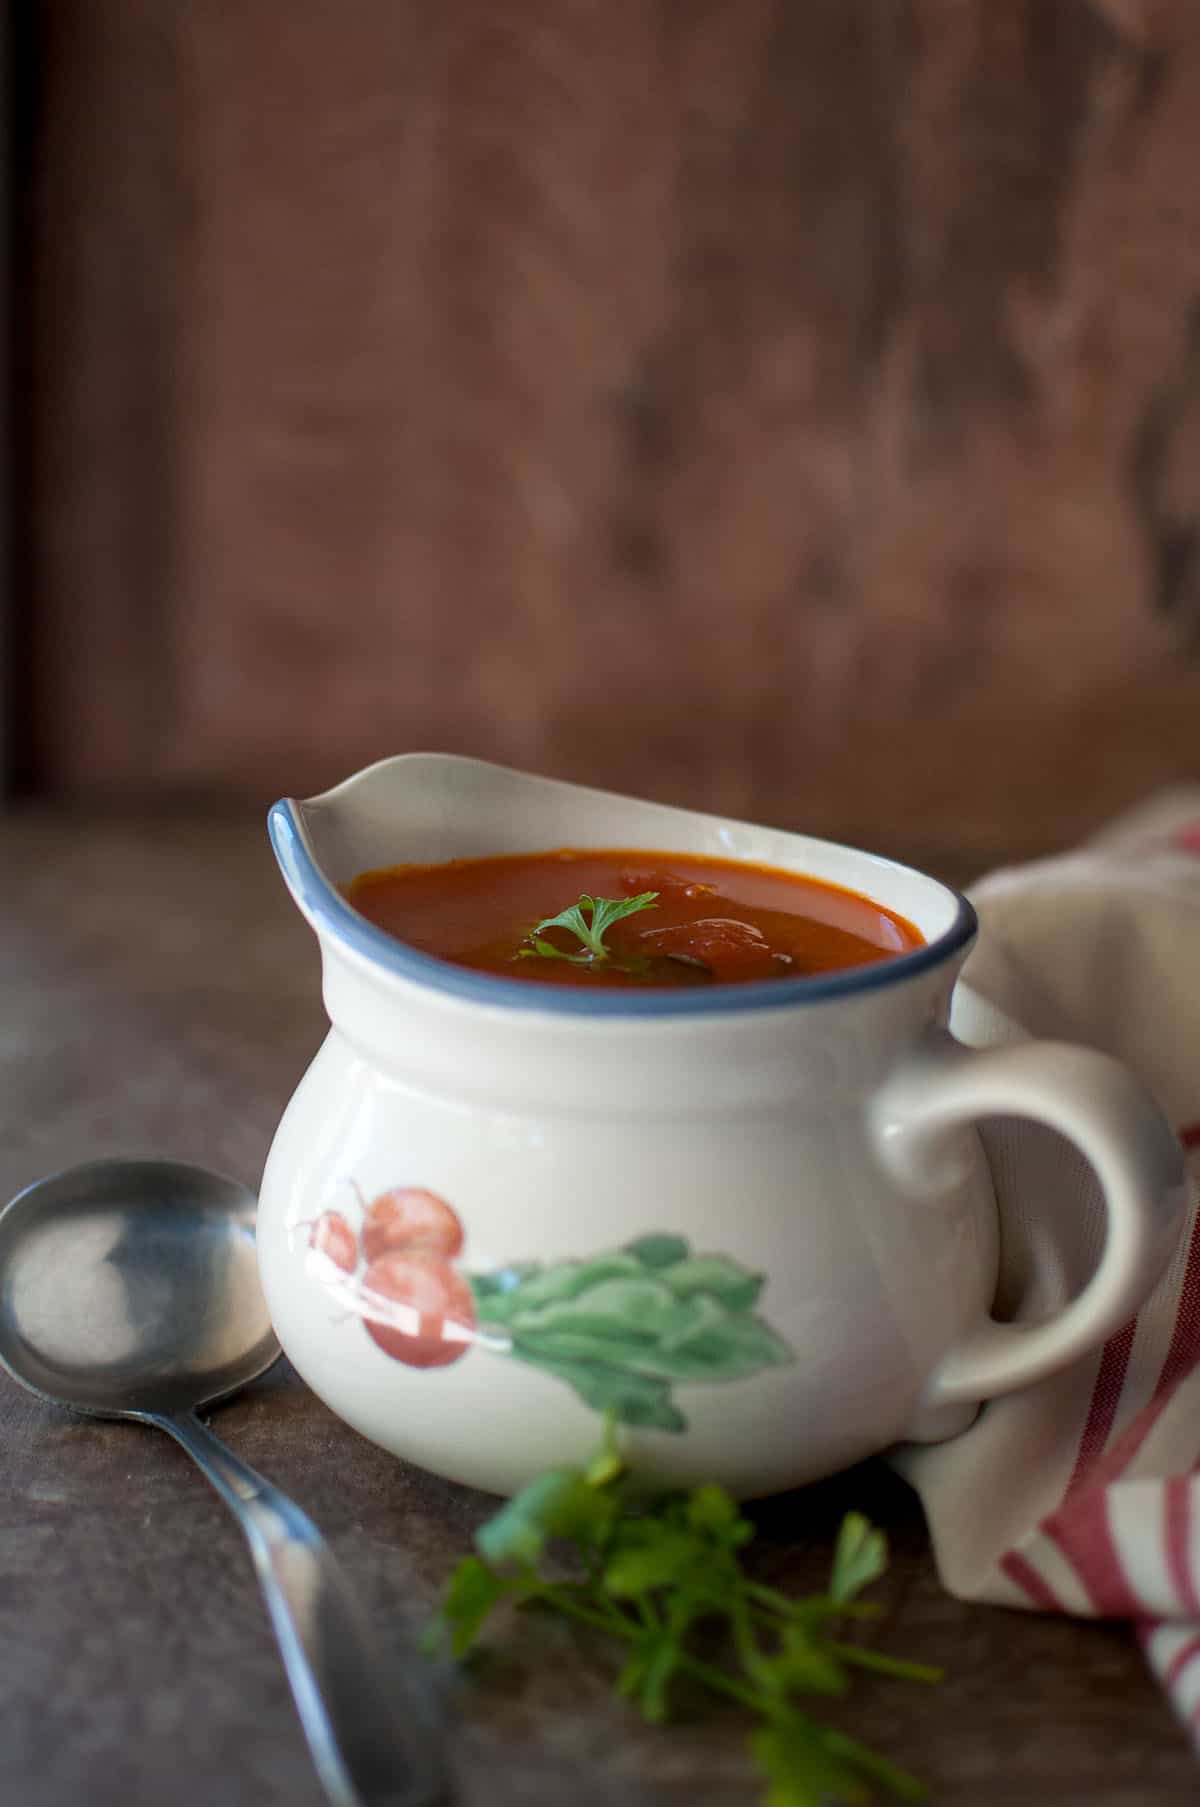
[328, 910]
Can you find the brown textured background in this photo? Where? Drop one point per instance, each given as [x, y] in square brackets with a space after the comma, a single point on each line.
[787, 408]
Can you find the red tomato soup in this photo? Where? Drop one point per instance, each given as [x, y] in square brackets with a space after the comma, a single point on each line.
[634, 918]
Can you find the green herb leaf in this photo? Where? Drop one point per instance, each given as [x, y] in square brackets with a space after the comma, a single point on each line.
[794, 1753]
[859, 1559]
[607, 910]
[804, 1662]
[653, 1561]
[560, 1503]
[810, 1765]
[710, 1509]
[589, 921]
[473, 1591]
[518, 1532]
[656, 1658]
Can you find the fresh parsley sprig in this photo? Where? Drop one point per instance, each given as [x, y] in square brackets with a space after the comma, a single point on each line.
[650, 1573]
[589, 929]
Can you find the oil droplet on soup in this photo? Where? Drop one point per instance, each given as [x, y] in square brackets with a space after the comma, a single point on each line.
[712, 922]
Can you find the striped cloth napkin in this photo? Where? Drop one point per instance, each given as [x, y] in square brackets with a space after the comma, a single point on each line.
[1082, 1494]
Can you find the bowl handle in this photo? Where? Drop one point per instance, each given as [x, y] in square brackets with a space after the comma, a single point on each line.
[1099, 1105]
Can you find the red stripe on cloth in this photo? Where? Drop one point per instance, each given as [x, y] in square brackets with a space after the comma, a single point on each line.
[1177, 1534]
[1106, 1397]
[1025, 1576]
[1179, 1662]
[1180, 1359]
[1081, 1531]
[1185, 1339]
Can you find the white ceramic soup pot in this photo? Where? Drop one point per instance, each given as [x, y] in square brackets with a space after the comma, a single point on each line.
[752, 1222]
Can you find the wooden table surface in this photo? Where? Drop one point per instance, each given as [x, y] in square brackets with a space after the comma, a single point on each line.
[161, 997]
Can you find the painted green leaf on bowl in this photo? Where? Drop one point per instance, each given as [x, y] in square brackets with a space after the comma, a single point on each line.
[622, 1328]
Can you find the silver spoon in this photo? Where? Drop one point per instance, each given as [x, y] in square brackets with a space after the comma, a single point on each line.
[129, 1289]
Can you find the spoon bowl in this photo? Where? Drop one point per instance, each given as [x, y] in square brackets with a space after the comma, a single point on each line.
[130, 1288]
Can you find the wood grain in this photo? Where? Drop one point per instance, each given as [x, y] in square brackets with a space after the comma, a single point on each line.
[792, 410]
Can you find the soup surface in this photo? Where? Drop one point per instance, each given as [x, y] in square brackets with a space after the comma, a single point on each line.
[634, 918]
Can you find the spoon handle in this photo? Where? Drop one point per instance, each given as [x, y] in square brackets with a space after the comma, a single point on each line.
[374, 1737]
